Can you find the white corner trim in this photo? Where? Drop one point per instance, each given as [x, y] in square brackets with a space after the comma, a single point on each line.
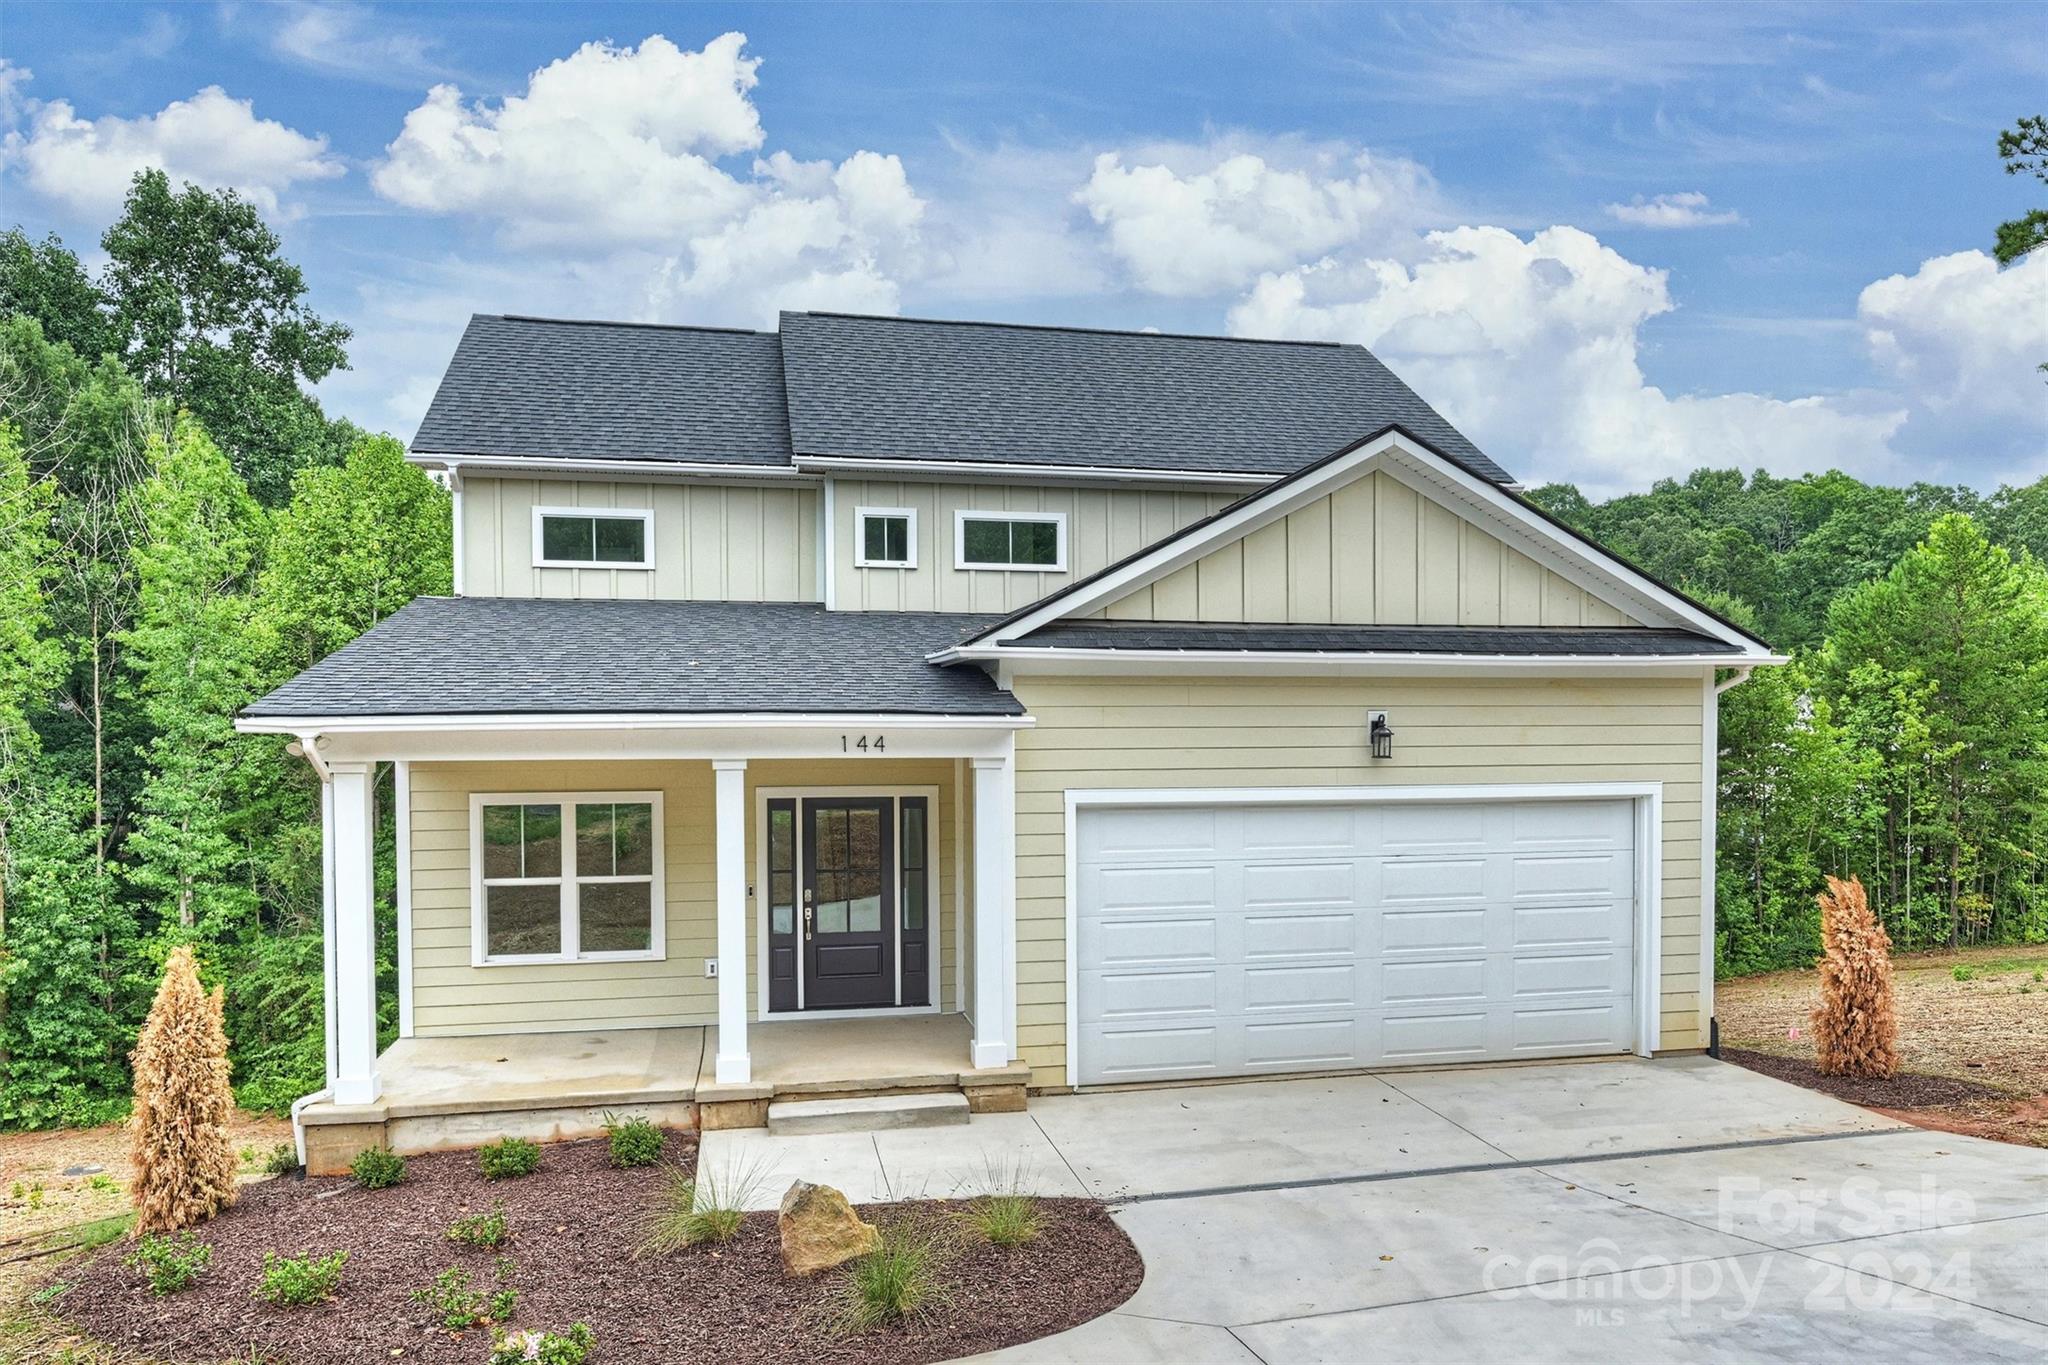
[401, 801]
[643, 515]
[455, 540]
[1710, 833]
[1648, 798]
[1058, 520]
[657, 949]
[828, 556]
[860, 538]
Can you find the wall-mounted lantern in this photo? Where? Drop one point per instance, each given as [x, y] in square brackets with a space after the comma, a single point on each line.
[1381, 734]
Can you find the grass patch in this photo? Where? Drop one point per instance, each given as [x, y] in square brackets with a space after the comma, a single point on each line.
[898, 1282]
[708, 1206]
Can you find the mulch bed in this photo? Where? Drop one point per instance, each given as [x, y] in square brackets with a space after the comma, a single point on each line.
[576, 1230]
[1907, 1090]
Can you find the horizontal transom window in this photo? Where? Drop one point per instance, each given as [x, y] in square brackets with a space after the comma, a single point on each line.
[583, 538]
[1033, 541]
[566, 878]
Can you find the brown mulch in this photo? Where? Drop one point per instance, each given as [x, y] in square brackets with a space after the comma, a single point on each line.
[576, 1229]
[1906, 1090]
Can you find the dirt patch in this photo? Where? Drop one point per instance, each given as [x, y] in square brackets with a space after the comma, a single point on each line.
[1974, 1050]
[574, 1253]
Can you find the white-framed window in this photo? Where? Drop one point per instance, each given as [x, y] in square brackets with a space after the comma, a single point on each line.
[885, 537]
[1026, 542]
[565, 877]
[593, 538]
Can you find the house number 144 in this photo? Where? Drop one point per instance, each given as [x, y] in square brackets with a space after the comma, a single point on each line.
[848, 744]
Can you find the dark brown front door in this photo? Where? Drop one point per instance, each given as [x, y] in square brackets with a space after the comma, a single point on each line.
[849, 903]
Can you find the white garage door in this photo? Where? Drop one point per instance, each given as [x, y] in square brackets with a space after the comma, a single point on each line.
[1223, 940]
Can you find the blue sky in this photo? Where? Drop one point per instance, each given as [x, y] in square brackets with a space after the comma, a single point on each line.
[1611, 242]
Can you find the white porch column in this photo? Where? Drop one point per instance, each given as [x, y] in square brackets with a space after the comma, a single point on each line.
[352, 1005]
[995, 918]
[734, 1066]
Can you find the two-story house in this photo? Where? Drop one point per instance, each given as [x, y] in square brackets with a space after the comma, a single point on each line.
[879, 707]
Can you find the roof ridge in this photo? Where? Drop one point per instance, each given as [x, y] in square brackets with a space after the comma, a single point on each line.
[646, 326]
[1070, 328]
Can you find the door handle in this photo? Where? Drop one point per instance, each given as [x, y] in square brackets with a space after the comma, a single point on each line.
[807, 921]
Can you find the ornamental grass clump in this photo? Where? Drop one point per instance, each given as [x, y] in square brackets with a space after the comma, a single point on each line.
[898, 1282]
[698, 1207]
[184, 1163]
[1856, 1025]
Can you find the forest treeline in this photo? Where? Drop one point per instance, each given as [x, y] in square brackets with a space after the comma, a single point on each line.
[182, 528]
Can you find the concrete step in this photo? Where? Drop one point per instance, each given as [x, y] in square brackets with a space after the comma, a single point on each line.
[867, 1113]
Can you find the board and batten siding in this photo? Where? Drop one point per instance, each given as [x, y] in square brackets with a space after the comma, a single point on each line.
[711, 542]
[1373, 552]
[1093, 733]
[1103, 526]
[453, 998]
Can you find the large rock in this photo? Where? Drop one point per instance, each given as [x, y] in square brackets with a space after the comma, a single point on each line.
[820, 1229]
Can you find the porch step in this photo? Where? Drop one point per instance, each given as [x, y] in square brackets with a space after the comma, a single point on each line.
[867, 1113]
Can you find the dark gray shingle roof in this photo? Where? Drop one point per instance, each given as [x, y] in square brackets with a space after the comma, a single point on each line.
[609, 390]
[516, 655]
[1632, 641]
[904, 388]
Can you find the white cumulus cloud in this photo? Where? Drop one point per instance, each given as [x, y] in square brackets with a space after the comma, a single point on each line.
[1690, 209]
[1191, 220]
[212, 139]
[1531, 347]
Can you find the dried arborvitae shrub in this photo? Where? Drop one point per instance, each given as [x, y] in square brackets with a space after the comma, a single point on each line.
[184, 1164]
[1856, 1025]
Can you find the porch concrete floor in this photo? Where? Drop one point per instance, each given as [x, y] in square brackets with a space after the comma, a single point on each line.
[424, 1077]
[816, 1056]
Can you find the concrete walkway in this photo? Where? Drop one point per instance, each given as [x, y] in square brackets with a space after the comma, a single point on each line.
[1628, 1210]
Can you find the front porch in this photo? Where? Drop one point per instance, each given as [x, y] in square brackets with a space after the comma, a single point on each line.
[456, 1092]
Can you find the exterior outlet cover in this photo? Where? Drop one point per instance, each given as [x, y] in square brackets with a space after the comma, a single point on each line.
[711, 966]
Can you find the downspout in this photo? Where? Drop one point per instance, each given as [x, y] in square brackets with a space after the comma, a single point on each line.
[308, 747]
[1710, 834]
[1740, 675]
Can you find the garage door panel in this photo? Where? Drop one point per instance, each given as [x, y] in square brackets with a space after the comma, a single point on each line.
[1269, 939]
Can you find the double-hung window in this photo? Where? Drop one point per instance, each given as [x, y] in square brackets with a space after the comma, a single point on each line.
[1026, 541]
[561, 878]
[885, 537]
[592, 538]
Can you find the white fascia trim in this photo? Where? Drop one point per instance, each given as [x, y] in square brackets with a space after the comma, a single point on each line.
[1392, 453]
[531, 467]
[307, 726]
[969, 470]
[1020, 658]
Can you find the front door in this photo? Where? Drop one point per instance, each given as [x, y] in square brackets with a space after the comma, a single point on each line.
[849, 903]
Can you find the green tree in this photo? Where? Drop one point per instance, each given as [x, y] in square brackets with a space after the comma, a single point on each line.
[44, 280]
[213, 317]
[2024, 150]
[187, 656]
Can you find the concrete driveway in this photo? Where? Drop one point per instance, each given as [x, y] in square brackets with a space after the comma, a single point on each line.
[1621, 1210]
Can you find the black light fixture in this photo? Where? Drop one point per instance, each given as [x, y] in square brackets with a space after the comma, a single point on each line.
[1381, 734]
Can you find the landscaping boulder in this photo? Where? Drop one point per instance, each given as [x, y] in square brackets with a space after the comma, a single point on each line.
[820, 1229]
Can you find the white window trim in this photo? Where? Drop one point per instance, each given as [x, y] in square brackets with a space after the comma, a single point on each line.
[643, 515]
[964, 515]
[860, 538]
[479, 940]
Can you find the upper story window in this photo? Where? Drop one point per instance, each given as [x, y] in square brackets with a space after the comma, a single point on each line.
[592, 538]
[1031, 541]
[562, 878]
[885, 537]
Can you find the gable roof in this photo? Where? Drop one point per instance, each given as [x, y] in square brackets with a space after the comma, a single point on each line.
[1153, 561]
[545, 387]
[911, 388]
[839, 386]
[528, 656]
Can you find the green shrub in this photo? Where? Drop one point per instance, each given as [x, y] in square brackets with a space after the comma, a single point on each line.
[543, 1348]
[896, 1282]
[282, 1159]
[460, 1306]
[634, 1142]
[298, 1280]
[1962, 973]
[171, 1263]
[706, 1206]
[377, 1168]
[508, 1158]
[481, 1229]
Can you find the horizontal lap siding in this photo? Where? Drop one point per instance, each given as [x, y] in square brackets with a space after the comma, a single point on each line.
[1240, 732]
[451, 997]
